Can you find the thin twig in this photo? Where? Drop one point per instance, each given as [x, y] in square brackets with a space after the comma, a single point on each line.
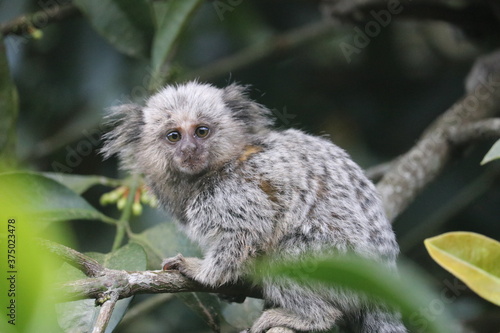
[123, 223]
[143, 307]
[450, 209]
[258, 51]
[105, 314]
[86, 264]
[25, 24]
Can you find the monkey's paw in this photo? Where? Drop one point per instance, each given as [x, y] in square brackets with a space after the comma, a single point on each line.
[274, 330]
[188, 267]
[232, 299]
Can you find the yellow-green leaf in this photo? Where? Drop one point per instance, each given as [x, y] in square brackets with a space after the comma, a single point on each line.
[471, 257]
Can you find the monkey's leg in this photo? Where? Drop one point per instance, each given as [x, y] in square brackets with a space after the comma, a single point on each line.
[382, 322]
[280, 330]
[274, 330]
[279, 320]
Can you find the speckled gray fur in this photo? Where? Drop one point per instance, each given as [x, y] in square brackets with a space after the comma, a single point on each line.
[247, 190]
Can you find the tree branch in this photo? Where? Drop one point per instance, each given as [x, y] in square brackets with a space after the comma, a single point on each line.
[103, 283]
[411, 172]
[477, 131]
[458, 136]
[86, 264]
[129, 283]
[105, 313]
[376, 172]
[25, 24]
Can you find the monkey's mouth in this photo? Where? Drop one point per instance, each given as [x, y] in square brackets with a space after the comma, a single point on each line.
[192, 165]
[190, 161]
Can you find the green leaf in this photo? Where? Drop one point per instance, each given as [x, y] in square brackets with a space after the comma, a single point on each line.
[243, 315]
[492, 154]
[160, 9]
[80, 316]
[130, 257]
[126, 24]
[163, 241]
[207, 306]
[471, 257]
[177, 15]
[42, 200]
[8, 113]
[408, 293]
[80, 183]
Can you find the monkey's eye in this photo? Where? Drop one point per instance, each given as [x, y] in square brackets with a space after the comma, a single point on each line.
[173, 136]
[202, 131]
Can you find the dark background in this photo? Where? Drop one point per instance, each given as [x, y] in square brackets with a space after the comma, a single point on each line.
[375, 107]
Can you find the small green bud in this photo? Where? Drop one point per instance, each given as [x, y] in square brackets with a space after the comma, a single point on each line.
[104, 200]
[136, 208]
[121, 203]
[36, 33]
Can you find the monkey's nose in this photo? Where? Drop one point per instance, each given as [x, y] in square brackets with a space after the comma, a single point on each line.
[188, 148]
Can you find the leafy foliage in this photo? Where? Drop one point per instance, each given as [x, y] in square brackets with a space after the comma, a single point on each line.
[44, 200]
[80, 183]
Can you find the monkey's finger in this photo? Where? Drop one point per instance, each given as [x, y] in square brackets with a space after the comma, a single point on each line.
[173, 263]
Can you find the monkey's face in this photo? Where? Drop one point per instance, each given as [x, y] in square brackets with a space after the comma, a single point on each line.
[190, 147]
[189, 130]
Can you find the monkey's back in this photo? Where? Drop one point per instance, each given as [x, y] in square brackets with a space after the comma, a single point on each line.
[321, 197]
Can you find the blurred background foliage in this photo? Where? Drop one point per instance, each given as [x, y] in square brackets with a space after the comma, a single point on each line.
[374, 106]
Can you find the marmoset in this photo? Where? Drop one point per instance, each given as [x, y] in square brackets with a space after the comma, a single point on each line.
[241, 190]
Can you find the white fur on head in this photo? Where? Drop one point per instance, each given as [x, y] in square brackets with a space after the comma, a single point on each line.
[139, 134]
